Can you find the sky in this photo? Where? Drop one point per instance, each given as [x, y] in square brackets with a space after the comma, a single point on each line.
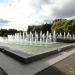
[19, 14]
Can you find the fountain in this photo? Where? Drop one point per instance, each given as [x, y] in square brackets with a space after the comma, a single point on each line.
[43, 37]
[73, 36]
[60, 35]
[23, 40]
[23, 35]
[64, 35]
[34, 46]
[54, 36]
[68, 35]
[50, 37]
[35, 39]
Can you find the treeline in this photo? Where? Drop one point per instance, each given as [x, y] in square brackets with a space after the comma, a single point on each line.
[58, 25]
[5, 32]
[44, 28]
[63, 25]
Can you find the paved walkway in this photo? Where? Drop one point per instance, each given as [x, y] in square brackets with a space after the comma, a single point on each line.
[13, 67]
[64, 67]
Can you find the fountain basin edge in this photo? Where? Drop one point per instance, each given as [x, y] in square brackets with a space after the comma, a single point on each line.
[26, 58]
[65, 40]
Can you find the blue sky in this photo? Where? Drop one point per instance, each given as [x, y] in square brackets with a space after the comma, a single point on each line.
[21, 13]
[5, 2]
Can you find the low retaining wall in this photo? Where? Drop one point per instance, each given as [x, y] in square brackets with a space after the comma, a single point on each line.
[65, 40]
[30, 59]
[13, 55]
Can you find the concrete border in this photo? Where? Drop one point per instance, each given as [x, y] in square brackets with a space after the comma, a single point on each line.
[32, 58]
[65, 40]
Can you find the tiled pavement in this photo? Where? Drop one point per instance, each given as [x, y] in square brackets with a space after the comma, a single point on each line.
[13, 67]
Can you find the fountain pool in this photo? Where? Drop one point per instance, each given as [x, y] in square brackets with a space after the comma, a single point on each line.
[30, 44]
[28, 48]
[34, 49]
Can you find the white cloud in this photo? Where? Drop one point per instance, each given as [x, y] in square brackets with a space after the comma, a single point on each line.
[22, 13]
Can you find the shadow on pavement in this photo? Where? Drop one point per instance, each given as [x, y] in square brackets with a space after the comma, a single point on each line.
[51, 71]
[2, 72]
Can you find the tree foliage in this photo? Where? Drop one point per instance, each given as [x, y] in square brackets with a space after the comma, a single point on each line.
[5, 32]
[63, 25]
[44, 28]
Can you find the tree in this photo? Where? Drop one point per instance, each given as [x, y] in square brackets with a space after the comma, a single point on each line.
[5, 32]
[64, 25]
[58, 25]
[43, 27]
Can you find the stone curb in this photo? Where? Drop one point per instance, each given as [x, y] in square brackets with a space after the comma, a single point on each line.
[31, 59]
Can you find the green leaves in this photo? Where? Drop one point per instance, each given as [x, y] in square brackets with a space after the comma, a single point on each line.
[44, 28]
[64, 25]
[5, 32]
